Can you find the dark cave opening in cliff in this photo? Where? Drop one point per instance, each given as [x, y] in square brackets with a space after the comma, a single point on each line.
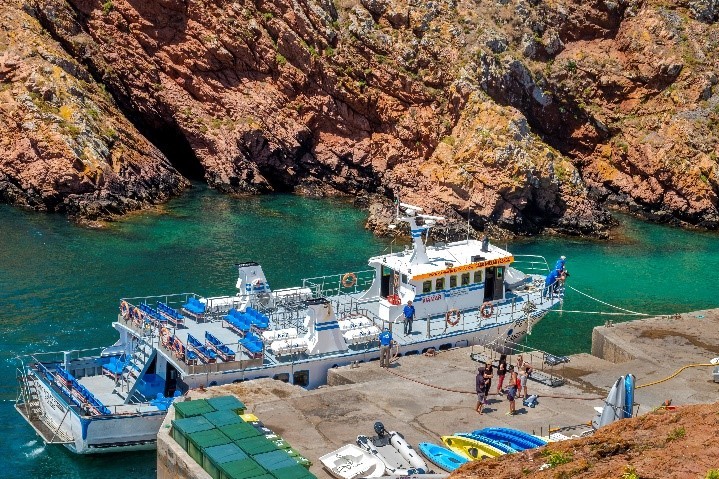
[177, 149]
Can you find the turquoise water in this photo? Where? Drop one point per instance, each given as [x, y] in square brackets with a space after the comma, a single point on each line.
[60, 284]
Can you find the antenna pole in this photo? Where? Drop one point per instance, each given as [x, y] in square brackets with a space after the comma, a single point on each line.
[469, 212]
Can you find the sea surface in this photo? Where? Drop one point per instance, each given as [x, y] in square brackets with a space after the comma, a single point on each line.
[60, 284]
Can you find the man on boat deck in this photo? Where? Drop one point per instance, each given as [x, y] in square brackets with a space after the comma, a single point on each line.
[408, 317]
[550, 284]
[385, 343]
[561, 264]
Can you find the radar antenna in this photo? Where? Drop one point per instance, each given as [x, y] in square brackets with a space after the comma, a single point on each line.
[410, 215]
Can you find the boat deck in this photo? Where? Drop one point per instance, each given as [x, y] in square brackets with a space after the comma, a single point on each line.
[103, 388]
[512, 308]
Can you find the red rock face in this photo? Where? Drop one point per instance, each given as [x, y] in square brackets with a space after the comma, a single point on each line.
[65, 146]
[525, 115]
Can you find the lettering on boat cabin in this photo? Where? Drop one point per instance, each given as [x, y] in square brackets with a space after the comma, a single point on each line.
[466, 267]
[432, 297]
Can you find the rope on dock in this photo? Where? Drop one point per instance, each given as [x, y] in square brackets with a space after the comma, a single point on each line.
[553, 396]
[673, 375]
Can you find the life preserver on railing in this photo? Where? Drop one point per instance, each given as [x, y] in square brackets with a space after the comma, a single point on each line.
[394, 299]
[124, 309]
[349, 280]
[452, 317]
[138, 316]
[486, 310]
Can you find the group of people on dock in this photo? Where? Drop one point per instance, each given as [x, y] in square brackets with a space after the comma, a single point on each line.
[516, 386]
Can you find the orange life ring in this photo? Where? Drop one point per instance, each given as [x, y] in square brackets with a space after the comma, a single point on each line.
[138, 316]
[124, 309]
[452, 317]
[394, 300]
[486, 310]
[349, 280]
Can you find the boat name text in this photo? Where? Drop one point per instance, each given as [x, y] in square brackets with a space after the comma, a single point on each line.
[466, 267]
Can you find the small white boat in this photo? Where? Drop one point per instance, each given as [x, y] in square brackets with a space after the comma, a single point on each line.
[397, 455]
[350, 462]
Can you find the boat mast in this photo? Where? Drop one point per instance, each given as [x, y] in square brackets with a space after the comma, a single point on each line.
[419, 254]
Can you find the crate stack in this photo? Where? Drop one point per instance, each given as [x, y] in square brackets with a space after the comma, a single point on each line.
[230, 444]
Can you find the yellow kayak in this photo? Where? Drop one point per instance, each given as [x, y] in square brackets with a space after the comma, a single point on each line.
[470, 448]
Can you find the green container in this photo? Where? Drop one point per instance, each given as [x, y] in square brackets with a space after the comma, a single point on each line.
[292, 452]
[192, 408]
[242, 469]
[239, 431]
[182, 427]
[293, 472]
[279, 442]
[223, 418]
[256, 445]
[215, 456]
[303, 461]
[199, 441]
[227, 403]
[274, 460]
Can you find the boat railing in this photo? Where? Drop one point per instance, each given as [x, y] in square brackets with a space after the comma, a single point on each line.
[336, 284]
[522, 306]
[531, 263]
[58, 357]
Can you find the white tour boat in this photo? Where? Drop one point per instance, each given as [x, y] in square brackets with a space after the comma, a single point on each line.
[115, 399]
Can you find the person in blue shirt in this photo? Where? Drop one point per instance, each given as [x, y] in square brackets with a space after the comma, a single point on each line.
[408, 317]
[561, 264]
[550, 283]
[385, 344]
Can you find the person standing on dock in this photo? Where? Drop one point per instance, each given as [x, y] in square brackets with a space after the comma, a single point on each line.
[488, 372]
[479, 384]
[501, 372]
[511, 394]
[524, 372]
[408, 317]
[385, 344]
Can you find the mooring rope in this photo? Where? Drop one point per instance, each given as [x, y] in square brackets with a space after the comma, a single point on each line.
[553, 396]
[629, 311]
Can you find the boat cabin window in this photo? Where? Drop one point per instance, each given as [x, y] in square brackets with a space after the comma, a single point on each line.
[453, 281]
[465, 279]
[439, 284]
[478, 276]
[301, 378]
[500, 273]
[284, 377]
[404, 279]
[427, 286]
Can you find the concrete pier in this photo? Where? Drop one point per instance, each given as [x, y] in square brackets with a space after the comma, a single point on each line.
[427, 397]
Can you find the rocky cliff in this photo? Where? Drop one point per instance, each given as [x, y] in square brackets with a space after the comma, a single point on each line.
[64, 144]
[525, 115]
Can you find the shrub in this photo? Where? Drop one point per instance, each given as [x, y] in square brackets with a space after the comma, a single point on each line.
[107, 7]
[677, 433]
[556, 458]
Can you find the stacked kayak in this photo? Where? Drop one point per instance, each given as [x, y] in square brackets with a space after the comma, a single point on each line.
[470, 448]
[441, 456]
[501, 445]
[514, 438]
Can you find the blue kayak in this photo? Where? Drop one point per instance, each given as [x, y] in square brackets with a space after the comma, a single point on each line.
[442, 457]
[503, 446]
[518, 440]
